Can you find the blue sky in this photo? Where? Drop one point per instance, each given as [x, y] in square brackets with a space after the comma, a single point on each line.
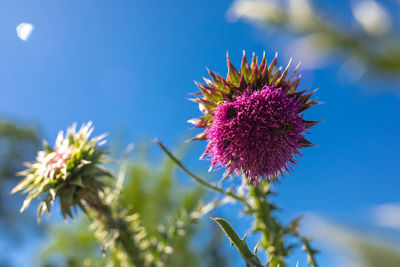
[132, 64]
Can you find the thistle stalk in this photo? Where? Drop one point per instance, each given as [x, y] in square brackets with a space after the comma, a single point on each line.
[109, 222]
[310, 251]
[272, 231]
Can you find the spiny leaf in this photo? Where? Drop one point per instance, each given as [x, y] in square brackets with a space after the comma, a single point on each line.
[250, 258]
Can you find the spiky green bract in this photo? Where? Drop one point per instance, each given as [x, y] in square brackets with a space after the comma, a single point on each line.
[70, 171]
[268, 126]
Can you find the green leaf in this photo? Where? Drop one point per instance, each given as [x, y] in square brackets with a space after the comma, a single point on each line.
[250, 258]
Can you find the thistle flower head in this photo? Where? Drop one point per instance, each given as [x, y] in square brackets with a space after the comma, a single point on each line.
[253, 119]
[69, 171]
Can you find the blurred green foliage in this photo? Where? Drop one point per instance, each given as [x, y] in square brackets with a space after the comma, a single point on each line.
[359, 247]
[18, 143]
[376, 254]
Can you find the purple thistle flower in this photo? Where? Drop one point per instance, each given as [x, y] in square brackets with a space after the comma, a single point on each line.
[253, 120]
[257, 135]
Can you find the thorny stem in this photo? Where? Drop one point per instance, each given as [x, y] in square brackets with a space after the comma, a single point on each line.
[272, 231]
[125, 236]
[116, 222]
[310, 251]
[200, 180]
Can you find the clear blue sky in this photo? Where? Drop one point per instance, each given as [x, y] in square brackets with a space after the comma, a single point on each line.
[133, 63]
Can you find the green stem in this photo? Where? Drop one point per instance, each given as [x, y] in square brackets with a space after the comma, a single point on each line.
[310, 251]
[200, 180]
[126, 238]
[272, 231]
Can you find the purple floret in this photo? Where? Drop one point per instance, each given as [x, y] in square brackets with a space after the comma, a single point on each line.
[257, 134]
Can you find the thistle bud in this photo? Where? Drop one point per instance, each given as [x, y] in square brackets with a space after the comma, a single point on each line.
[69, 171]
